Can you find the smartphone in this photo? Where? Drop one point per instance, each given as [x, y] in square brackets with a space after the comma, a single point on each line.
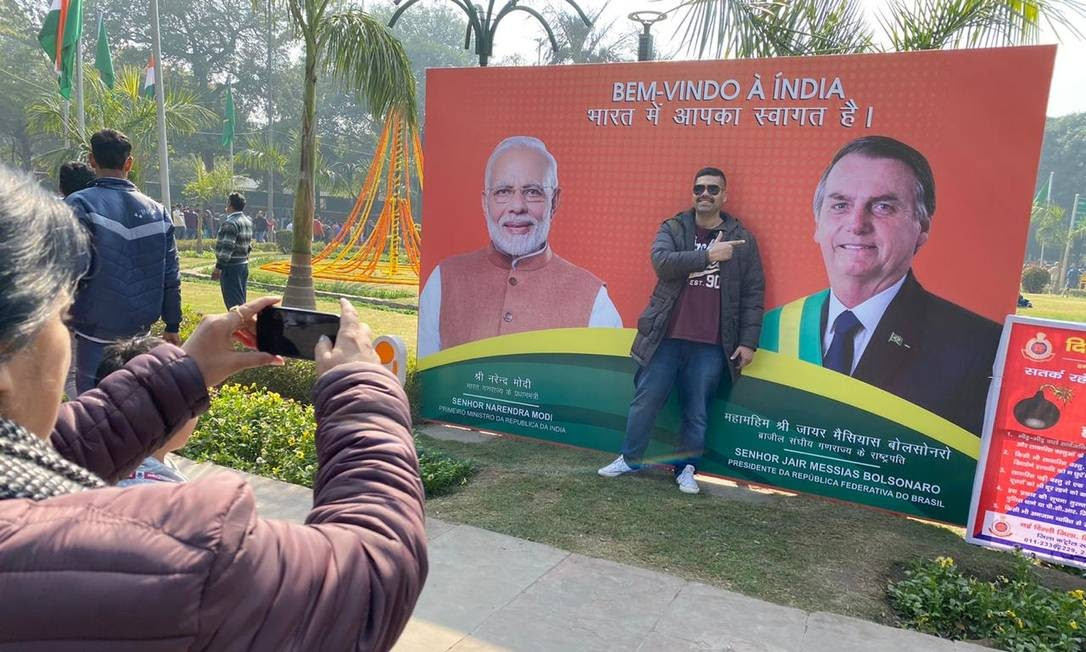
[293, 332]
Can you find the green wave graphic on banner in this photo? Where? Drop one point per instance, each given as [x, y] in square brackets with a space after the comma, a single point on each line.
[787, 424]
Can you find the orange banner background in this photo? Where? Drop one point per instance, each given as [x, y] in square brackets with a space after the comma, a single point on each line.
[978, 116]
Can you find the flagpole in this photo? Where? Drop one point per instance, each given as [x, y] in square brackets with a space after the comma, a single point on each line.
[67, 123]
[160, 100]
[1067, 246]
[1048, 199]
[80, 109]
[271, 171]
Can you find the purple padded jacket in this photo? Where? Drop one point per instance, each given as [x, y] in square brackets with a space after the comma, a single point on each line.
[191, 566]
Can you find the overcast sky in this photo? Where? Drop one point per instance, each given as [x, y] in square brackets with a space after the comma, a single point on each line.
[518, 32]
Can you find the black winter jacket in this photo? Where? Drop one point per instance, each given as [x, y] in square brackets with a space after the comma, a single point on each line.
[742, 286]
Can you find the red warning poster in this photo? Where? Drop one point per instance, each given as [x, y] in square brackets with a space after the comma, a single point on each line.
[1030, 487]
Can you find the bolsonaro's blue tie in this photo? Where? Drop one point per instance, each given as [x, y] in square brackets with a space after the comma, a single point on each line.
[839, 356]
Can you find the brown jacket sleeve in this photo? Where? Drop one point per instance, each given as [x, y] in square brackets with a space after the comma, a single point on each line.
[349, 578]
[110, 429]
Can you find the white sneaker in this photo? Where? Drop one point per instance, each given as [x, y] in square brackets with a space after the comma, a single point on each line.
[616, 468]
[687, 483]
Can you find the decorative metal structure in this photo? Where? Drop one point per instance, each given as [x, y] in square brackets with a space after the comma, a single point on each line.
[647, 19]
[388, 250]
[483, 24]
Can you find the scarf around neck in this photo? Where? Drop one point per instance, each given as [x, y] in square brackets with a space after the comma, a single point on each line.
[31, 468]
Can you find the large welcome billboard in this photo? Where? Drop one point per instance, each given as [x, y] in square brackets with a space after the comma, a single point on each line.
[536, 343]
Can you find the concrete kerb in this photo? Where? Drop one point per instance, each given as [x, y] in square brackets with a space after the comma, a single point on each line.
[489, 591]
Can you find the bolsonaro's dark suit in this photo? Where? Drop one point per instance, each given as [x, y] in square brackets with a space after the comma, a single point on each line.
[925, 349]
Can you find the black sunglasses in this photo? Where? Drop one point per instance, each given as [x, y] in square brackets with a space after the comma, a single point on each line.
[713, 190]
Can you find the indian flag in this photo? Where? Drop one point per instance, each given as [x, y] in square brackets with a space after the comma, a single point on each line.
[149, 79]
[59, 37]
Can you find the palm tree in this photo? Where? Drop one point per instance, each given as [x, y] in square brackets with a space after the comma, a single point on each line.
[361, 51]
[207, 186]
[264, 155]
[124, 108]
[1046, 220]
[768, 28]
[483, 24]
[581, 42]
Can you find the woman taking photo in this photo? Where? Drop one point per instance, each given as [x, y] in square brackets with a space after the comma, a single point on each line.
[85, 566]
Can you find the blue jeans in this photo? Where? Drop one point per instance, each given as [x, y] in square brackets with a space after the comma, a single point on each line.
[696, 369]
[88, 355]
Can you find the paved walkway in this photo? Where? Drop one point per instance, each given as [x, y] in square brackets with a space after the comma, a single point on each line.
[488, 591]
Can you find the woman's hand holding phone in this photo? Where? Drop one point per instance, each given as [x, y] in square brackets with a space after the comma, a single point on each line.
[354, 342]
[211, 345]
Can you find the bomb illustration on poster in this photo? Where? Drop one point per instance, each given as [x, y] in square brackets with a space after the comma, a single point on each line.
[1037, 412]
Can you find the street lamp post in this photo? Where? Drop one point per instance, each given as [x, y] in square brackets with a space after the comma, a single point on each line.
[644, 40]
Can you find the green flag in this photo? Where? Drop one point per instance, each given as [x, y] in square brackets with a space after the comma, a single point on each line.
[228, 119]
[103, 60]
[1044, 193]
[59, 37]
[1080, 213]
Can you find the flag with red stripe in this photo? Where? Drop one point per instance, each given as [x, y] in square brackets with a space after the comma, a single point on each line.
[59, 37]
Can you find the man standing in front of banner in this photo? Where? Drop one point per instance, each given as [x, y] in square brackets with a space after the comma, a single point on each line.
[702, 322]
[873, 211]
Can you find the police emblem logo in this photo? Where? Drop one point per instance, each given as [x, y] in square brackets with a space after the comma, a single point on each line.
[1000, 528]
[1038, 348]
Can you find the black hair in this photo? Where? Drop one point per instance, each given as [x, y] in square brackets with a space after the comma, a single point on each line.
[74, 176]
[120, 352]
[111, 149]
[886, 147]
[236, 200]
[43, 254]
[712, 172]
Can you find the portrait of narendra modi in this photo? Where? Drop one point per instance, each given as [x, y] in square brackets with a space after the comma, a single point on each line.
[517, 282]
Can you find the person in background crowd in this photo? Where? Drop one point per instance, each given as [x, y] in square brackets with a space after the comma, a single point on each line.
[260, 227]
[186, 566]
[177, 217]
[134, 278]
[190, 221]
[74, 176]
[1074, 278]
[209, 223]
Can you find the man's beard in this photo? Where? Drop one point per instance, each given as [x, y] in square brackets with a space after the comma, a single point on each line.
[519, 245]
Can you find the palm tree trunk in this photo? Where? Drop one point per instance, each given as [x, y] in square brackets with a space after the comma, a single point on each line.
[299, 291]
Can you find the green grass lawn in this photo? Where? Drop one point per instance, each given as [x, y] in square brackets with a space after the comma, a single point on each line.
[800, 551]
[1053, 306]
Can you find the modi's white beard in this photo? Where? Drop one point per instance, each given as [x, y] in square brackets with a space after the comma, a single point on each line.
[519, 245]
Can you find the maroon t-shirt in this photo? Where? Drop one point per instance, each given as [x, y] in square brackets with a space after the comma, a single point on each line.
[696, 315]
